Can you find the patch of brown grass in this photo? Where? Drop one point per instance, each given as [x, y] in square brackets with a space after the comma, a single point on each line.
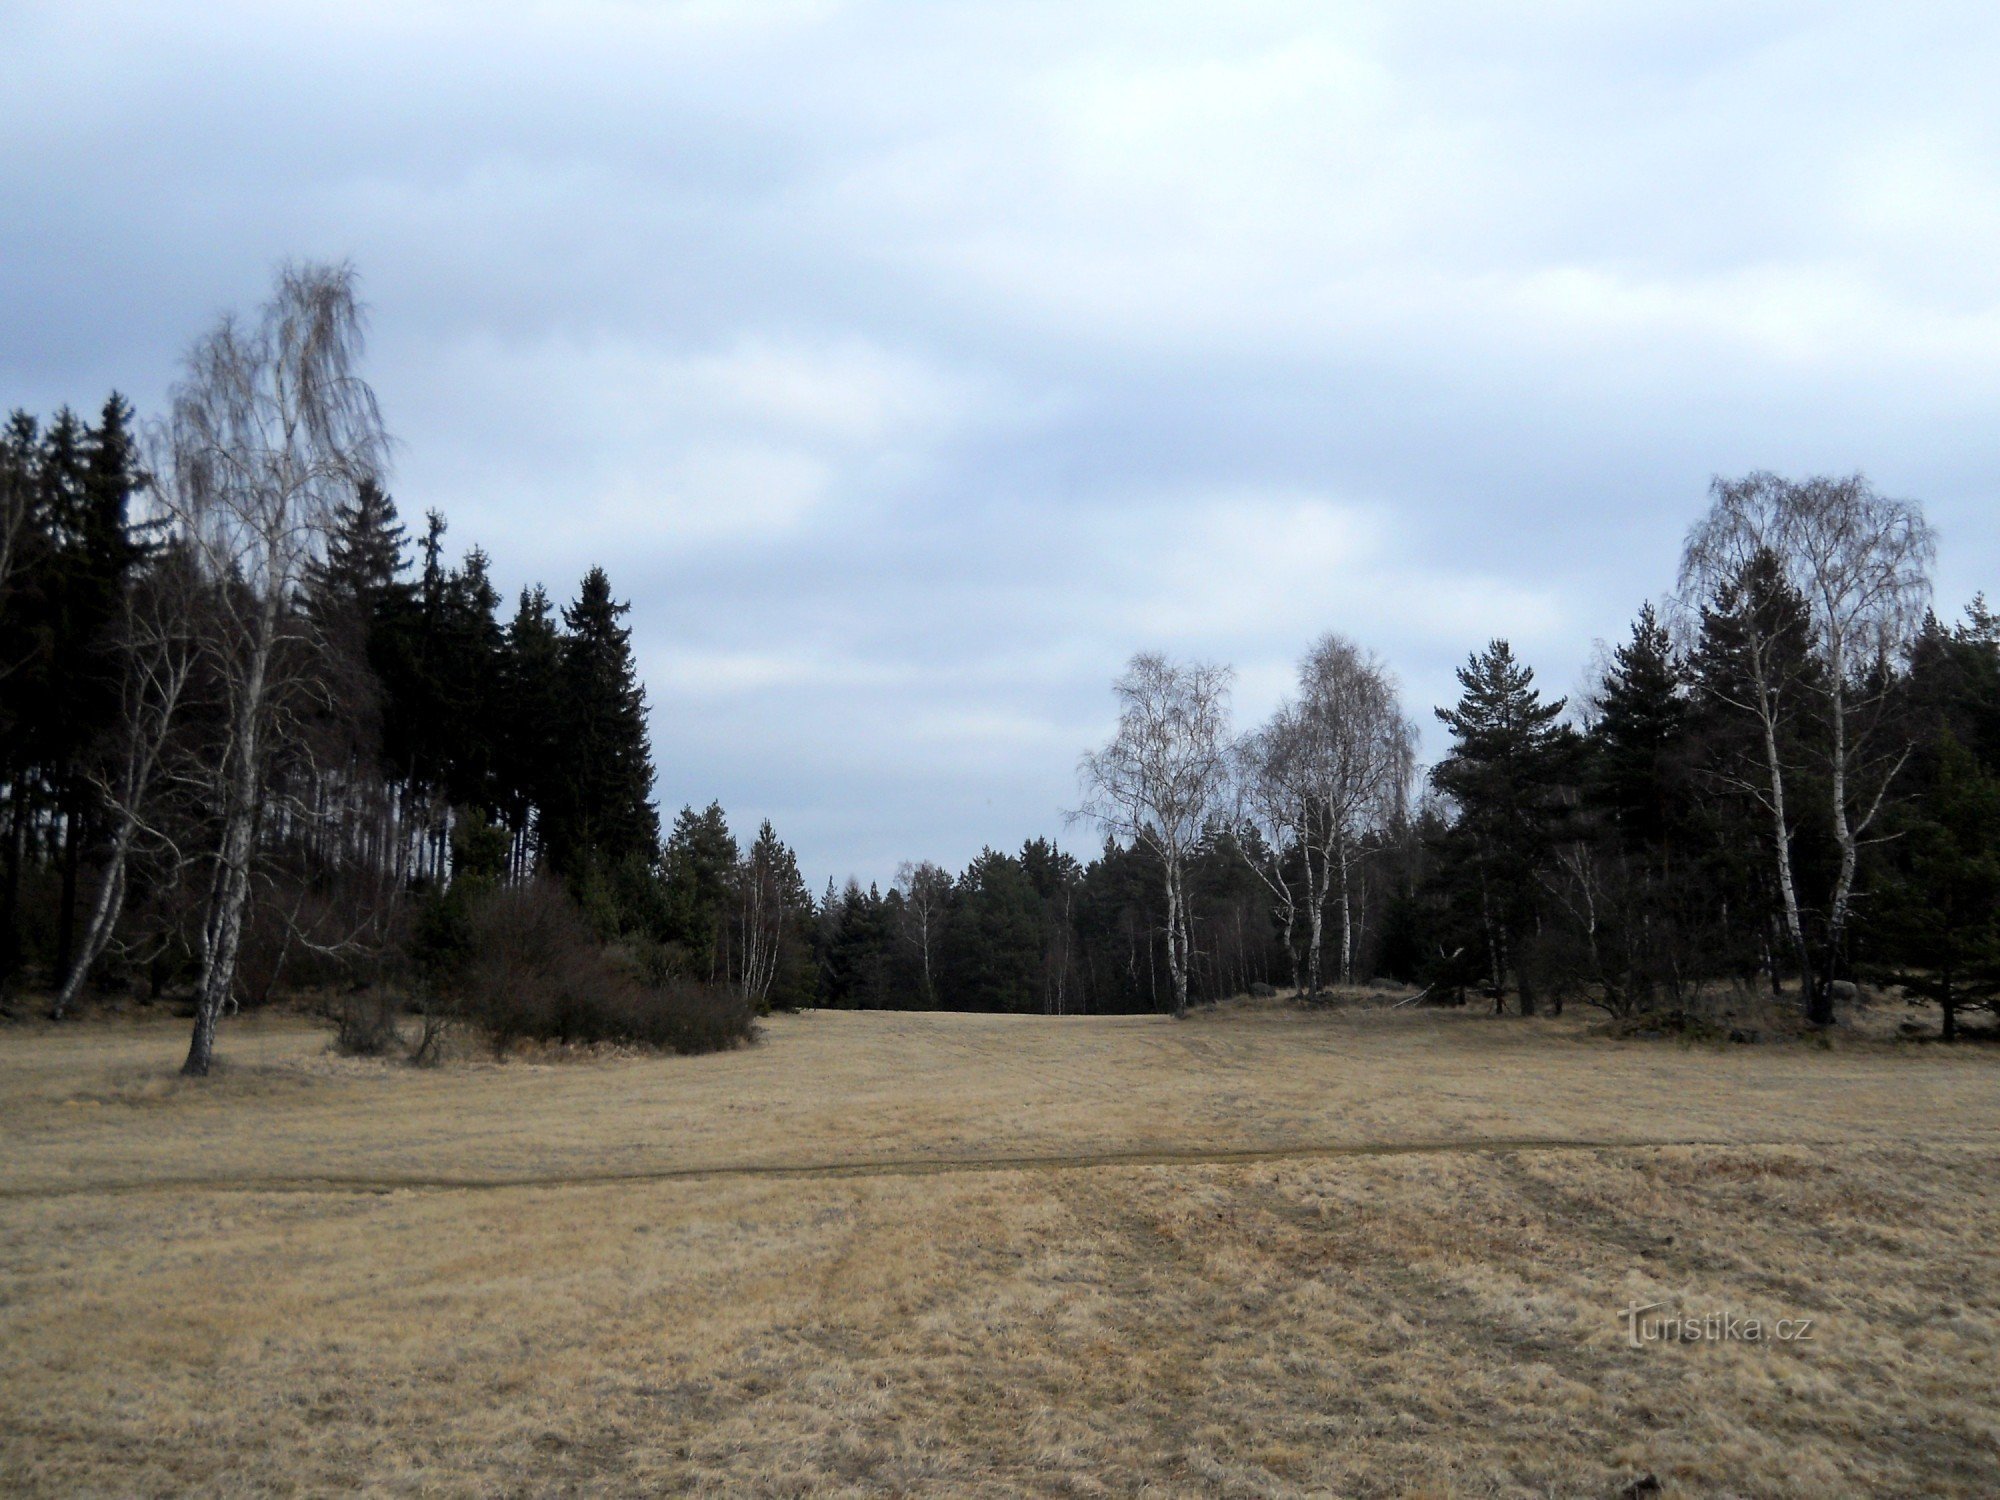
[347, 1293]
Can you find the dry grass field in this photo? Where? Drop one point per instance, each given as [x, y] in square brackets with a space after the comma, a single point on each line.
[1259, 1252]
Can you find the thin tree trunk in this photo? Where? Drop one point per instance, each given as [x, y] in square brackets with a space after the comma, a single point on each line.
[1820, 1001]
[72, 825]
[1346, 922]
[224, 928]
[110, 904]
[1495, 961]
[1316, 892]
[1781, 836]
[1176, 944]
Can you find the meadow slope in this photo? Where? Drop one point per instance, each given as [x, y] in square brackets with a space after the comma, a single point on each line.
[1258, 1252]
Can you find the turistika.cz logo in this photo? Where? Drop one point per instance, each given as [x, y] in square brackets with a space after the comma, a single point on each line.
[1711, 1328]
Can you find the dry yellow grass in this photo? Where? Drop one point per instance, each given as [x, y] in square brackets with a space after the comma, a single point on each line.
[1260, 1252]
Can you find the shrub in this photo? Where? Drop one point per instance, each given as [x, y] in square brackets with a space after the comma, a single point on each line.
[365, 1022]
[534, 970]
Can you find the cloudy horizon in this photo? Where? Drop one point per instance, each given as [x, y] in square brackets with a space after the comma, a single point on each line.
[908, 368]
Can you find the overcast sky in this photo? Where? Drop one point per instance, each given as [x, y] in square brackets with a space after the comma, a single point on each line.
[911, 366]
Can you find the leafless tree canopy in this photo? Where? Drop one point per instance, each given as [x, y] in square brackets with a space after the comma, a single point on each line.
[1860, 562]
[271, 429]
[1163, 778]
[1333, 766]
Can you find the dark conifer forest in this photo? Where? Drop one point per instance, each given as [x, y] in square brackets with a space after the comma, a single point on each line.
[312, 751]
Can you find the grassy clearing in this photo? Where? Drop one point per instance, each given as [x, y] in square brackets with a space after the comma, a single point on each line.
[1258, 1252]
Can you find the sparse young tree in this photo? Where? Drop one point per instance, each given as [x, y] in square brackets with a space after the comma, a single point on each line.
[1162, 779]
[272, 429]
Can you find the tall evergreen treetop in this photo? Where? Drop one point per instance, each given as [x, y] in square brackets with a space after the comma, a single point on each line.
[605, 803]
[1641, 730]
[1500, 728]
[700, 858]
[1508, 762]
[364, 557]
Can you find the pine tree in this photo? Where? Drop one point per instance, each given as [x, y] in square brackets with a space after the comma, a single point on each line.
[603, 808]
[1640, 740]
[1509, 758]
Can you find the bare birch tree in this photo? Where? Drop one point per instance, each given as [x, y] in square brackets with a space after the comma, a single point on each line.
[1860, 562]
[1270, 819]
[271, 429]
[1162, 779]
[926, 892]
[1356, 755]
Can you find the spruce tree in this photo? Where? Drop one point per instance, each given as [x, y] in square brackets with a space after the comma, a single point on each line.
[1508, 760]
[1954, 682]
[859, 951]
[700, 858]
[780, 971]
[28, 540]
[364, 556]
[472, 684]
[361, 606]
[603, 805]
[1639, 743]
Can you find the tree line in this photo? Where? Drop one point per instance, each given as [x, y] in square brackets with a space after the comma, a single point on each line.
[253, 738]
[258, 738]
[1788, 775]
[1793, 779]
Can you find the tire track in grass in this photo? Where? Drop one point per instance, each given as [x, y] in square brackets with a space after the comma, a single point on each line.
[915, 1166]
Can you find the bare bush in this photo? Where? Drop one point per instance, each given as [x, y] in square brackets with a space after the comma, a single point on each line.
[537, 972]
[365, 1022]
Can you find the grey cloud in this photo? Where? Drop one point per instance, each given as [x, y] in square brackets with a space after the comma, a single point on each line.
[909, 366]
